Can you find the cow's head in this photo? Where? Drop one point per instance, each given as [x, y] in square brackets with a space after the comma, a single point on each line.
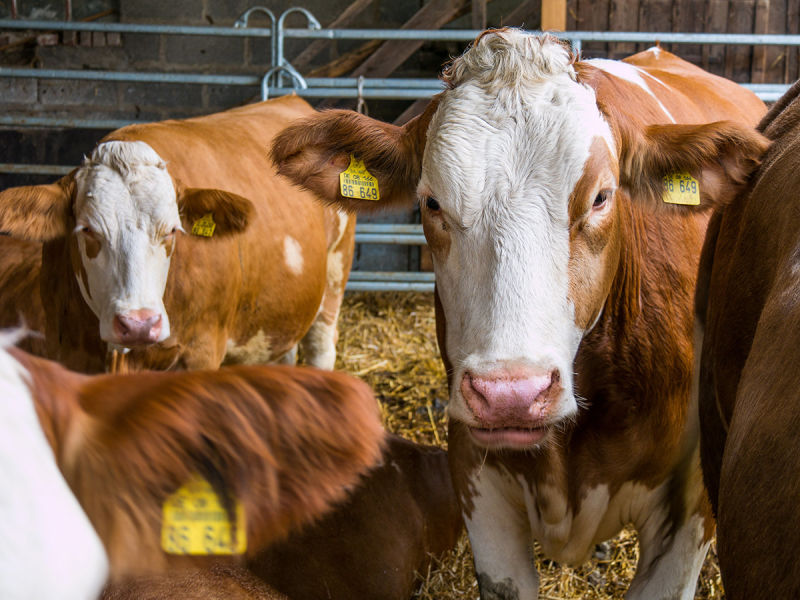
[122, 213]
[525, 183]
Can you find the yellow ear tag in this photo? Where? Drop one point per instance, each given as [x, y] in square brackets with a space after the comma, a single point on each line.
[356, 182]
[195, 522]
[681, 188]
[204, 226]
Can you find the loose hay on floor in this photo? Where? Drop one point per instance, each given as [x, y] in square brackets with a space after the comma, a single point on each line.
[389, 340]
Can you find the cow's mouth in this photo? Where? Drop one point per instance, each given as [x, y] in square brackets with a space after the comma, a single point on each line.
[513, 438]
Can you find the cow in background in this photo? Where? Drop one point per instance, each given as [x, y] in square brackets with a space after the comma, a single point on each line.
[177, 241]
[564, 288]
[748, 324]
[284, 443]
[20, 299]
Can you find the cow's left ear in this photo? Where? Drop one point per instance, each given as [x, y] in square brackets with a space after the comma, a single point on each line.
[229, 212]
[720, 156]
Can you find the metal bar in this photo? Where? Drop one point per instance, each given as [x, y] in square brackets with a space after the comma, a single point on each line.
[66, 122]
[198, 78]
[406, 34]
[136, 28]
[400, 239]
[387, 286]
[406, 276]
[34, 169]
[388, 228]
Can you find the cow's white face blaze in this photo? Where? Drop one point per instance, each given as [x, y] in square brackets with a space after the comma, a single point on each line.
[127, 216]
[517, 193]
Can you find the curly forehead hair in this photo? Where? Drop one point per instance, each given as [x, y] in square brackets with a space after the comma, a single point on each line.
[508, 57]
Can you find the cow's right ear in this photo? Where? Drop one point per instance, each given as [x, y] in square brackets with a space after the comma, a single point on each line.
[39, 213]
[315, 151]
[230, 213]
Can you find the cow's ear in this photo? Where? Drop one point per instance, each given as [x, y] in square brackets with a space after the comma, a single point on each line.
[38, 212]
[200, 207]
[720, 156]
[313, 153]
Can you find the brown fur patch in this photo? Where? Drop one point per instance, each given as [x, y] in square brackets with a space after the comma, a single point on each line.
[286, 442]
[38, 212]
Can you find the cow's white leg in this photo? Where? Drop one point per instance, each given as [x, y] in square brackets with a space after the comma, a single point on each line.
[668, 568]
[500, 535]
[319, 344]
[290, 358]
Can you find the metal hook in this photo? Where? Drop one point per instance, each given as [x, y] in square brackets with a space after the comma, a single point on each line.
[299, 81]
[361, 105]
[277, 48]
[244, 18]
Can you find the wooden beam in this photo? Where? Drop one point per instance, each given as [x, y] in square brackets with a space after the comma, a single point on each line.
[479, 14]
[303, 59]
[393, 53]
[554, 15]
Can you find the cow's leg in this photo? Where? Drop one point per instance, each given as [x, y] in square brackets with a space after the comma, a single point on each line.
[500, 535]
[672, 554]
[319, 343]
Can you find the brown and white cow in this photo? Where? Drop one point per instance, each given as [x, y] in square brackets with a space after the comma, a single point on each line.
[284, 442]
[402, 516]
[125, 266]
[20, 300]
[748, 310]
[563, 289]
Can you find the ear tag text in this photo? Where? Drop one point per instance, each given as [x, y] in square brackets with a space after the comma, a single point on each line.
[195, 522]
[356, 182]
[204, 226]
[681, 188]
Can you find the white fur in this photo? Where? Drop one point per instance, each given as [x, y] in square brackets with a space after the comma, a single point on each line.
[509, 515]
[126, 197]
[504, 151]
[49, 548]
[293, 255]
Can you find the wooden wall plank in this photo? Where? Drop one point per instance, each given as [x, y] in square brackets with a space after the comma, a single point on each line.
[716, 21]
[623, 16]
[479, 14]
[655, 15]
[688, 16]
[791, 68]
[738, 59]
[554, 15]
[768, 61]
[593, 16]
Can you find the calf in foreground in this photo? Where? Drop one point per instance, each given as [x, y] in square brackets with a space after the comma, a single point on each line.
[564, 288]
[283, 443]
[748, 322]
[177, 241]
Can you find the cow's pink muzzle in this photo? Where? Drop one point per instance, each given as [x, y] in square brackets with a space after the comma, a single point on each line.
[137, 327]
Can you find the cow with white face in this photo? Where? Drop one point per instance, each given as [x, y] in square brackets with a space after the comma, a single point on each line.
[126, 220]
[563, 288]
[178, 243]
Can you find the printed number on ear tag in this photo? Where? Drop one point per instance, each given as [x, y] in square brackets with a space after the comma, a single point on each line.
[681, 188]
[356, 182]
[195, 522]
[204, 226]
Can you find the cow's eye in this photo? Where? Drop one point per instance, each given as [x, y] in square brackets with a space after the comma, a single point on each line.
[601, 199]
[87, 231]
[432, 204]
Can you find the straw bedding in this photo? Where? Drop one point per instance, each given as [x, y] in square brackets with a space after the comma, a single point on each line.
[389, 340]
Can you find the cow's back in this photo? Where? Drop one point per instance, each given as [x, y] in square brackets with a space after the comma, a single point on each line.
[749, 380]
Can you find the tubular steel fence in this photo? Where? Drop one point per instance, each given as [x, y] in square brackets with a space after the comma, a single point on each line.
[274, 83]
